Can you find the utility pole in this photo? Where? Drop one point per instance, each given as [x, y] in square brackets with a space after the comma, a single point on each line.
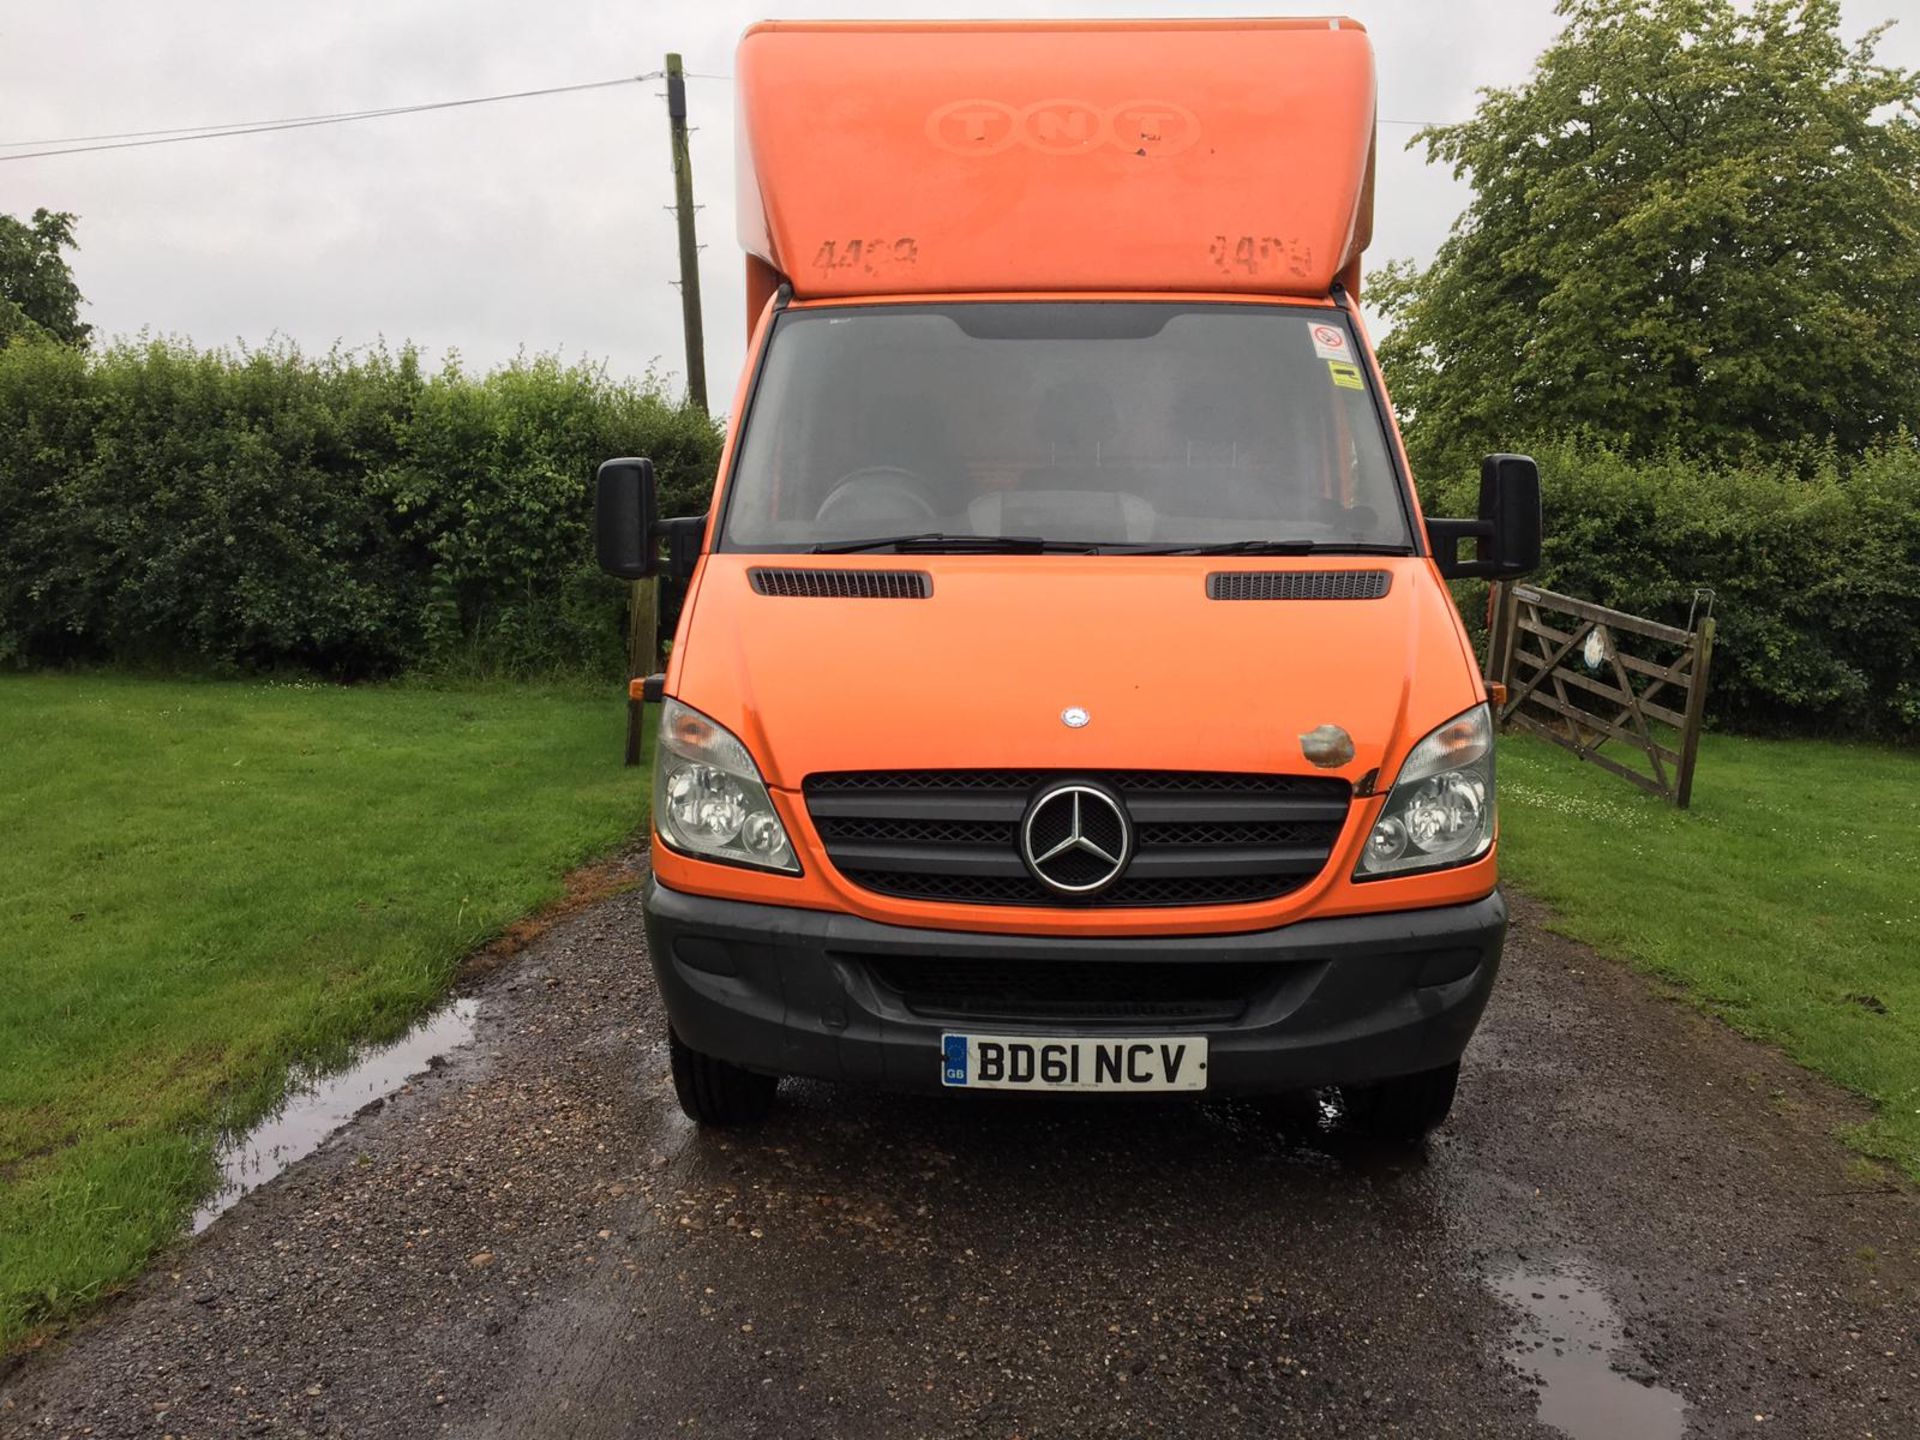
[689, 247]
[643, 608]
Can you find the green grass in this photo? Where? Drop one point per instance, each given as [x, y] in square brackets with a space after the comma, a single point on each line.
[202, 883]
[1787, 898]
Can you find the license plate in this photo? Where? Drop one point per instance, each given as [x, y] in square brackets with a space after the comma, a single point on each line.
[1028, 1062]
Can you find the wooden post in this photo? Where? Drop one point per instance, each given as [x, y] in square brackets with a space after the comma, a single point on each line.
[689, 245]
[1500, 635]
[643, 645]
[1696, 710]
[1496, 592]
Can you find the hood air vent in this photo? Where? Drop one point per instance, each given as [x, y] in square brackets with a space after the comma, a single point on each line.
[843, 584]
[1299, 584]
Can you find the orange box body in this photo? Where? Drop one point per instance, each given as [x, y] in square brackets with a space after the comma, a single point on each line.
[1229, 156]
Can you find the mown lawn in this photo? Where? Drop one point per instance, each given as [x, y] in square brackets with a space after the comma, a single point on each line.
[1786, 898]
[204, 882]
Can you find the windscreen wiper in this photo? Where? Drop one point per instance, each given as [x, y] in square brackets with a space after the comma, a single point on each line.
[1272, 547]
[935, 541]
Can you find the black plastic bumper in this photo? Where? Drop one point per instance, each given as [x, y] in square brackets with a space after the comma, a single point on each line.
[795, 992]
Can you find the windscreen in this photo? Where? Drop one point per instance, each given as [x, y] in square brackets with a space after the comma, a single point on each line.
[1109, 425]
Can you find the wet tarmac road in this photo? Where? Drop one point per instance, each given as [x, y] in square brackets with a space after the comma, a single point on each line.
[1635, 1225]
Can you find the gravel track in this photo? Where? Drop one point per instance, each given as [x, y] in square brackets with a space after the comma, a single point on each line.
[530, 1241]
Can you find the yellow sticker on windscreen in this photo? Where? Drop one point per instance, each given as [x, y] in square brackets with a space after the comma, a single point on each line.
[1346, 376]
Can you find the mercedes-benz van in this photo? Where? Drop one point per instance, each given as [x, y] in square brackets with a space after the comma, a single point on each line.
[1067, 696]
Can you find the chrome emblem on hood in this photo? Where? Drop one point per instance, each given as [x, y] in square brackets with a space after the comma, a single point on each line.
[1076, 838]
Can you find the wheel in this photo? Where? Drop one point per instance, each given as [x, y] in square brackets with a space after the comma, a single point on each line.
[1405, 1107]
[713, 1092]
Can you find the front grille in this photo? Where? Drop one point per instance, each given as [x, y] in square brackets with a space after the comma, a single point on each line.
[878, 830]
[1023, 889]
[1201, 838]
[1299, 584]
[1189, 991]
[836, 584]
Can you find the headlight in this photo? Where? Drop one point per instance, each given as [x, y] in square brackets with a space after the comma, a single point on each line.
[1440, 811]
[708, 798]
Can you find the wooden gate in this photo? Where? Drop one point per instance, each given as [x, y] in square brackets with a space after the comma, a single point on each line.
[1569, 679]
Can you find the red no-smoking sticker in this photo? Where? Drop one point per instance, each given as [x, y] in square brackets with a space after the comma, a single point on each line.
[1330, 342]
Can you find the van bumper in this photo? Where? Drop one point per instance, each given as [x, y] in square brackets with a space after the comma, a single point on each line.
[809, 992]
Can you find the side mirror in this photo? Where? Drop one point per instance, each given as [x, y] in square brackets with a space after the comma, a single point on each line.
[1507, 532]
[626, 519]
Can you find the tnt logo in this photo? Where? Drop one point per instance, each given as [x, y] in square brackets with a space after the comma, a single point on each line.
[1063, 127]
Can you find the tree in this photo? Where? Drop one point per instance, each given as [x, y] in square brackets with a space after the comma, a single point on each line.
[1696, 226]
[37, 293]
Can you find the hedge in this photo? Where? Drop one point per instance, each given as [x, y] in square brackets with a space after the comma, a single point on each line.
[351, 515]
[1813, 558]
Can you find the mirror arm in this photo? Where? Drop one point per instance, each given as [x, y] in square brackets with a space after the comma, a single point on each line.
[683, 540]
[1444, 536]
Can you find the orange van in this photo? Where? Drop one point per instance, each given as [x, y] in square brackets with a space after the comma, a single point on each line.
[1066, 695]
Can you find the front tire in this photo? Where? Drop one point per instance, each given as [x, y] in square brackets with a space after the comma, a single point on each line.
[1405, 1107]
[716, 1093]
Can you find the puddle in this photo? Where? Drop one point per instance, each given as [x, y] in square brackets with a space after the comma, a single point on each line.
[1568, 1337]
[321, 1104]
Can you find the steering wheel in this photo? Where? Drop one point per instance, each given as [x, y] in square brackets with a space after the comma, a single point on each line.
[886, 483]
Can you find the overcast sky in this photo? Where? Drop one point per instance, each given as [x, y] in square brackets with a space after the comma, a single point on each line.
[538, 224]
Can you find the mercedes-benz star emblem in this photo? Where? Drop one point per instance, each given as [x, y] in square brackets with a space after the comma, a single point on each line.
[1074, 716]
[1076, 838]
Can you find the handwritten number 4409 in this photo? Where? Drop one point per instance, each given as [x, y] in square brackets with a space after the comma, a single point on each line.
[868, 255]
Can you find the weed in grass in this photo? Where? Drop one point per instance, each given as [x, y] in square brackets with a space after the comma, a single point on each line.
[1865, 1172]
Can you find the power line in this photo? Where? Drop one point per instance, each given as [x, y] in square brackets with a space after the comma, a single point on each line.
[139, 139]
[184, 129]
